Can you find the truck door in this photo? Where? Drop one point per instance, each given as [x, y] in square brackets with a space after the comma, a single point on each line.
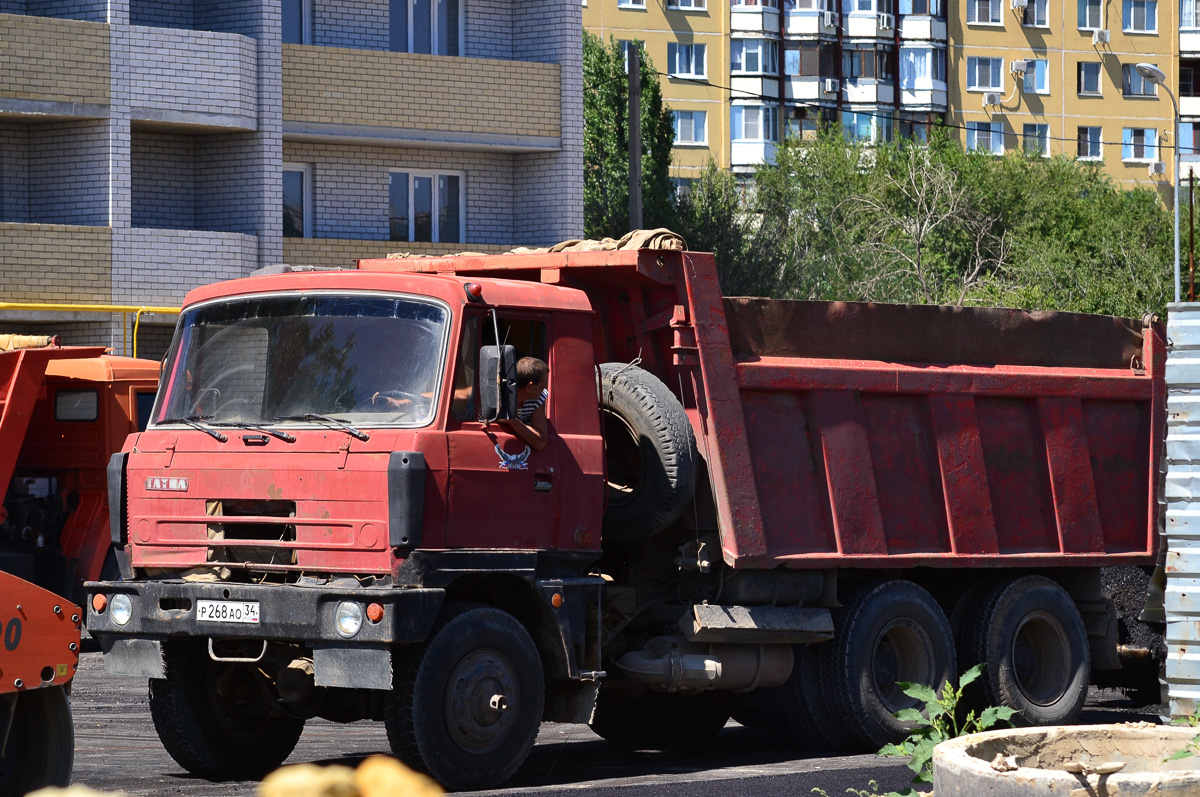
[503, 494]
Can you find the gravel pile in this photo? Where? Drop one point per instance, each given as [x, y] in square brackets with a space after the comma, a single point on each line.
[1127, 588]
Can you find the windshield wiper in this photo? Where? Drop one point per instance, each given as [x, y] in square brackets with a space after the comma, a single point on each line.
[194, 422]
[284, 436]
[312, 416]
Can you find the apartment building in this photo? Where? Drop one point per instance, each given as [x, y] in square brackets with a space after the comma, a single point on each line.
[1059, 77]
[687, 41]
[150, 146]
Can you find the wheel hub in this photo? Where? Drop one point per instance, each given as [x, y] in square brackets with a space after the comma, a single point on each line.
[482, 696]
[1039, 648]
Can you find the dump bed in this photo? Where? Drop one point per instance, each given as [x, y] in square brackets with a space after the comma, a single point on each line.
[843, 434]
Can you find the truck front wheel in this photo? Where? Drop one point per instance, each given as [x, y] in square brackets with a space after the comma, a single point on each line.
[467, 703]
[215, 718]
[40, 747]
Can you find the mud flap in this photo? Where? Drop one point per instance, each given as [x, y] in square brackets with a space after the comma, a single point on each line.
[138, 657]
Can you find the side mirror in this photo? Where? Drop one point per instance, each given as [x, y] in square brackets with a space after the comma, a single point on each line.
[497, 382]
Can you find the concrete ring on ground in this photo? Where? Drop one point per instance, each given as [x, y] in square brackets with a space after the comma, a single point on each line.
[1071, 761]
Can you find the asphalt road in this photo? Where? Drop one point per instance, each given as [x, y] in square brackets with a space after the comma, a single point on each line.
[116, 749]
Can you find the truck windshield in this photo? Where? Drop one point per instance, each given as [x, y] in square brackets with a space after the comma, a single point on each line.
[366, 359]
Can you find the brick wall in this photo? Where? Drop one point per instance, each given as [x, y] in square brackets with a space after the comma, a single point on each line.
[230, 16]
[350, 188]
[362, 24]
[193, 71]
[31, 52]
[14, 172]
[55, 263]
[68, 173]
[163, 13]
[230, 176]
[84, 10]
[489, 31]
[163, 180]
[425, 92]
[333, 253]
[160, 266]
[550, 186]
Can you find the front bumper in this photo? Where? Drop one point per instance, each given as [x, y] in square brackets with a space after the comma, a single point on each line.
[287, 612]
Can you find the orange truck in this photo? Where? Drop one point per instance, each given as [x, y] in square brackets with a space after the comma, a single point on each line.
[63, 411]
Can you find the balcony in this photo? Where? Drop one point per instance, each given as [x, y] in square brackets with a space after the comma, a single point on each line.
[414, 100]
[199, 79]
[751, 153]
[923, 28]
[868, 91]
[927, 99]
[343, 252]
[806, 88]
[744, 88]
[753, 19]
[869, 25]
[811, 23]
[55, 262]
[1189, 106]
[37, 77]
[1189, 43]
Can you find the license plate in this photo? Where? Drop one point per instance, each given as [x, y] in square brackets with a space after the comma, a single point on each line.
[227, 611]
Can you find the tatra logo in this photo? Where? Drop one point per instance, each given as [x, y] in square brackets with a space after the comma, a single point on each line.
[164, 483]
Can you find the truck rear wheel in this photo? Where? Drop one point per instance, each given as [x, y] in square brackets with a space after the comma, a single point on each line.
[659, 720]
[215, 718]
[650, 453]
[1029, 633]
[806, 700]
[467, 703]
[888, 633]
[41, 740]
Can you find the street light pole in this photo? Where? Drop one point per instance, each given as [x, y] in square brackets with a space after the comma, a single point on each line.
[1155, 75]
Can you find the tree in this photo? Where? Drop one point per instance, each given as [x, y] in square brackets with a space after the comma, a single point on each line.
[606, 142]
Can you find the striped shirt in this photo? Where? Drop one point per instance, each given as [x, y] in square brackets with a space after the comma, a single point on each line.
[529, 407]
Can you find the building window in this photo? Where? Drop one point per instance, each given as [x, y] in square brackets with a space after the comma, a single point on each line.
[867, 62]
[986, 137]
[691, 127]
[759, 56]
[631, 4]
[425, 26]
[1035, 76]
[1140, 16]
[1139, 144]
[1089, 78]
[297, 200]
[1036, 139]
[808, 59]
[1035, 14]
[686, 60]
[1189, 77]
[1089, 144]
[753, 4]
[984, 12]
[915, 126]
[1089, 14]
[1134, 84]
[296, 21]
[425, 207]
[932, 8]
[985, 74]
[1187, 138]
[1187, 14]
[921, 67]
[754, 122]
[687, 5]
[866, 127]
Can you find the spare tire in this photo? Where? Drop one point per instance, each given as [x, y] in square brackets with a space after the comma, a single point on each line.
[650, 453]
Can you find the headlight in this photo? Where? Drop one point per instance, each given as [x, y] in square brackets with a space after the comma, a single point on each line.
[349, 618]
[121, 609]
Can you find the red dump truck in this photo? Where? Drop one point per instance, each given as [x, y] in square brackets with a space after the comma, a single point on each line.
[772, 510]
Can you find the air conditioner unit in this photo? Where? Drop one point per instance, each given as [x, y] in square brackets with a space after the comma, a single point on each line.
[1157, 168]
[886, 22]
[1019, 66]
[831, 85]
[1020, 5]
[831, 19]
[991, 98]
[1100, 37]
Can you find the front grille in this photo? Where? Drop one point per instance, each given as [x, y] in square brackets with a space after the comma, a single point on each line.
[243, 521]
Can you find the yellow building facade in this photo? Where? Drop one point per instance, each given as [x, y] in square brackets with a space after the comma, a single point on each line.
[1060, 77]
[688, 43]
